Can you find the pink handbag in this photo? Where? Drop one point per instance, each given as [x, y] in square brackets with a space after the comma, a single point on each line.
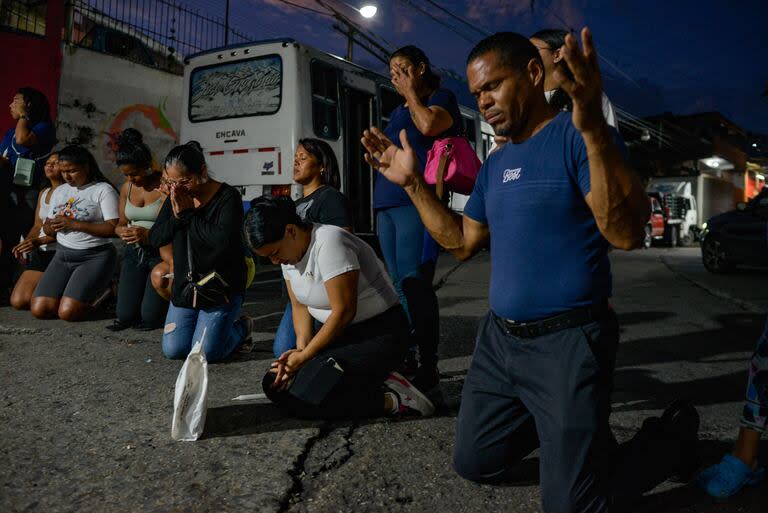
[452, 162]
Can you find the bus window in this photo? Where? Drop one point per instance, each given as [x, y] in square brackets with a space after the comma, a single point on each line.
[469, 131]
[249, 87]
[389, 101]
[325, 100]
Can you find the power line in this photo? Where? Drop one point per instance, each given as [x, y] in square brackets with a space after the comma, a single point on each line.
[459, 18]
[453, 29]
[299, 6]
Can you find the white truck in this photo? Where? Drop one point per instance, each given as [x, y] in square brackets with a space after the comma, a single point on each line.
[688, 201]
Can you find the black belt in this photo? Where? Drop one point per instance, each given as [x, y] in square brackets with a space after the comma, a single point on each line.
[569, 319]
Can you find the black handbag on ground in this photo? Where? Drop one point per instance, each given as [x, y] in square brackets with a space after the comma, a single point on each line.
[202, 292]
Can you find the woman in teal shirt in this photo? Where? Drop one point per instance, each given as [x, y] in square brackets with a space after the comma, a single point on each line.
[138, 304]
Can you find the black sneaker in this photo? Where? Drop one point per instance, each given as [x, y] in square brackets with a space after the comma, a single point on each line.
[118, 326]
[145, 327]
[427, 379]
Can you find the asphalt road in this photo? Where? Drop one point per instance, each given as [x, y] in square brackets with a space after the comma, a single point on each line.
[85, 414]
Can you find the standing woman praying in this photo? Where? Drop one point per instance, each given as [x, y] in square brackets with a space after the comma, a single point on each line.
[428, 112]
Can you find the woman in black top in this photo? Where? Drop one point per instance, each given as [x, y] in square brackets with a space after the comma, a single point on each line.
[316, 169]
[207, 215]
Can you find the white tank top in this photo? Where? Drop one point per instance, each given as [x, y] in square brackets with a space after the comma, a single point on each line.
[42, 213]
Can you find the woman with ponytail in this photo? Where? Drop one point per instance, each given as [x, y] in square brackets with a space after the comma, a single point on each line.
[138, 304]
[203, 220]
[334, 279]
[428, 112]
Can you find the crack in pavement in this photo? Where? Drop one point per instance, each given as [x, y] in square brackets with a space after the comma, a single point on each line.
[302, 470]
[444, 278]
[293, 494]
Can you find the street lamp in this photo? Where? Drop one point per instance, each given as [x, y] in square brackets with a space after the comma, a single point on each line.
[368, 11]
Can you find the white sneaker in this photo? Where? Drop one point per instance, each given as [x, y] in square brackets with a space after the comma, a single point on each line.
[410, 397]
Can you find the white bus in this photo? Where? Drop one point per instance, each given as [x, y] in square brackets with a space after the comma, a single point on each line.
[248, 105]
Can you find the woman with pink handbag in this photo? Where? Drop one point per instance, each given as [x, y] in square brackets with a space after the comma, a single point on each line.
[427, 113]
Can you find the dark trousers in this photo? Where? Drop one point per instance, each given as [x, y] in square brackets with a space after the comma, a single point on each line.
[410, 255]
[553, 393]
[366, 352]
[137, 300]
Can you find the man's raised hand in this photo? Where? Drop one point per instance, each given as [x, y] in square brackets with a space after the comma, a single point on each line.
[399, 166]
[585, 89]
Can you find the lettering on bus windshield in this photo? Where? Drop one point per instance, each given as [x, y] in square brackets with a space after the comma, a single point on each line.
[243, 88]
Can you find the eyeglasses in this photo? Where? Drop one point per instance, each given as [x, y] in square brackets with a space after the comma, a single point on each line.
[185, 182]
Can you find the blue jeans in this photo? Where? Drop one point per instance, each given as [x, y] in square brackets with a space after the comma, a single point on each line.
[285, 336]
[184, 326]
[410, 255]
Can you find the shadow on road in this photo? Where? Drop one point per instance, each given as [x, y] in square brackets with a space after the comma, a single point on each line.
[250, 419]
[630, 318]
[691, 499]
[737, 333]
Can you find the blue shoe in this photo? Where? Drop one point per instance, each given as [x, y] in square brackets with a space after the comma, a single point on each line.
[728, 477]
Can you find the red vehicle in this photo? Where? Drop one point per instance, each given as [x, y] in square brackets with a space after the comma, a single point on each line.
[654, 229]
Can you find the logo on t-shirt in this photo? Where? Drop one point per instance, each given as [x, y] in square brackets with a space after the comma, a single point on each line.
[512, 174]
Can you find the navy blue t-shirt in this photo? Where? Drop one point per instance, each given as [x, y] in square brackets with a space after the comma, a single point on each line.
[387, 194]
[547, 254]
[46, 138]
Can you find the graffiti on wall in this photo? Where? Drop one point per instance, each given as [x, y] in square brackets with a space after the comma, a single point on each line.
[151, 121]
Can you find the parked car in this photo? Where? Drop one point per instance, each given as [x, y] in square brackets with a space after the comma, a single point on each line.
[738, 237]
[654, 229]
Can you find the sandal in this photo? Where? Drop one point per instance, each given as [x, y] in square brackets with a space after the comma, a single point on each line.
[728, 477]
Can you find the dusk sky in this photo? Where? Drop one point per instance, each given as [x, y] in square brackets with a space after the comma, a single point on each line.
[678, 56]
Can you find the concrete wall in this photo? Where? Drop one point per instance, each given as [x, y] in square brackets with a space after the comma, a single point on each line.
[100, 95]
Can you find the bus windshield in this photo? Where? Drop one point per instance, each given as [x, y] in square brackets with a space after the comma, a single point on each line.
[251, 87]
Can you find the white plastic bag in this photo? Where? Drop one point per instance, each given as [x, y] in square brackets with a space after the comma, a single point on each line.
[191, 396]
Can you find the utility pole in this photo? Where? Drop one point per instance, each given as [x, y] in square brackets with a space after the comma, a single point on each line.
[226, 23]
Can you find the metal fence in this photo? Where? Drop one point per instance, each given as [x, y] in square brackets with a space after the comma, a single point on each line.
[24, 15]
[157, 33]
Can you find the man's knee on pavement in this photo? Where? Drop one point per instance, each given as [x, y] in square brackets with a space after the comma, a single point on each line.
[473, 468]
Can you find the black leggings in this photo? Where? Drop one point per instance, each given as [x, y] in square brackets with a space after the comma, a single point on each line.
[137, 300]
[367, 352]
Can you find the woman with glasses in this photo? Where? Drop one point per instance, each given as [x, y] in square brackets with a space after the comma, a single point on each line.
[138, 304]
[550, 43]
[203, 219]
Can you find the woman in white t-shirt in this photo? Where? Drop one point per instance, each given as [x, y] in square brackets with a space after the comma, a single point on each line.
[337, 279]
[82, 217]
